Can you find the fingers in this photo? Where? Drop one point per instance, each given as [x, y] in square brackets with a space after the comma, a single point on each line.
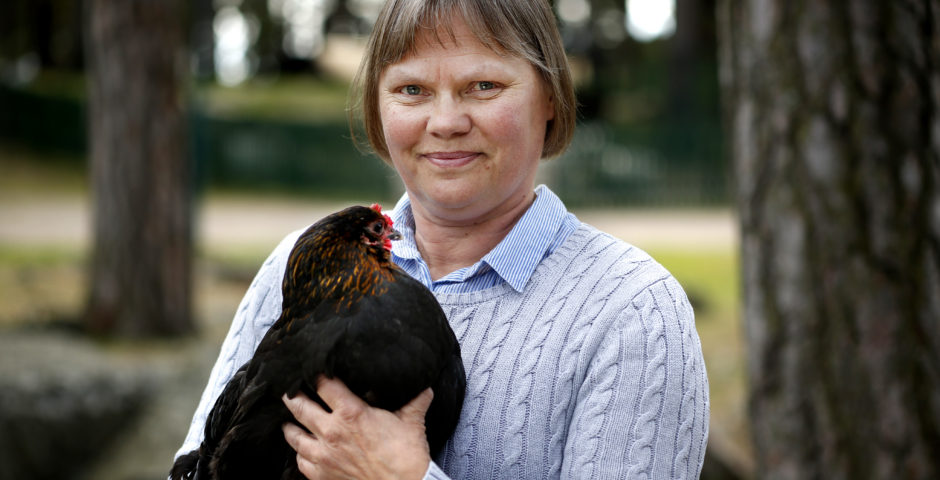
[296, 437]
[348, 405]
[307, 412]
[335, 393]
[306, 467]
[300, 441]
[416, 409]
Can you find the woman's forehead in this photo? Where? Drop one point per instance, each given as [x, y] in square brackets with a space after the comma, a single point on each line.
[453, 35]
[461, 66]
[448, 31]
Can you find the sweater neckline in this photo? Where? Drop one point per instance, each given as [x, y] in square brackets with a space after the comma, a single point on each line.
[558, 259]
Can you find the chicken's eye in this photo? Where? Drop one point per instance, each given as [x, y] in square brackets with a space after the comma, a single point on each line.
[377, 228]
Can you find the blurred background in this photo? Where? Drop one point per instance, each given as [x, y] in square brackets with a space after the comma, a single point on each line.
[260, 90]
[266, 93]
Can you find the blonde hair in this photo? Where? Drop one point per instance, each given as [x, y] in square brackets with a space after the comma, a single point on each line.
[523, 28]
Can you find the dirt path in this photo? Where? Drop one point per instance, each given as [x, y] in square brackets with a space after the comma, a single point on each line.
[225, 221]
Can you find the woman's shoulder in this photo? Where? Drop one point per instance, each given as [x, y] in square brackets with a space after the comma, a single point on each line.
[624, 289]
[589, 251]
[622, 278]
[272, 270]
[264, 293]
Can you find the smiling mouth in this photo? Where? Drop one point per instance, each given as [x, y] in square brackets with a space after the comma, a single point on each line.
[451, 159]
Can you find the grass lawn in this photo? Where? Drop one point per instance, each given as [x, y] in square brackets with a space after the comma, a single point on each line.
[711, 281]
[286, 97]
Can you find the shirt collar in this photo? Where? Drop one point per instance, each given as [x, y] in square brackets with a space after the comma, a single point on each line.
[515, 258]
[404, 222]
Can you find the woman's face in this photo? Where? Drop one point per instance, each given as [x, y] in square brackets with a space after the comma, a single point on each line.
[464, 125]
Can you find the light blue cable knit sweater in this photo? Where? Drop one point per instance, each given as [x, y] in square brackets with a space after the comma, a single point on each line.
[596, 372]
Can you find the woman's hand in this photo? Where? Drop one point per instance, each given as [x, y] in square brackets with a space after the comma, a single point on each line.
[356, 440]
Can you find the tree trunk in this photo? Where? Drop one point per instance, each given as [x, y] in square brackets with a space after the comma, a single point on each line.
[833, 110]
[141, 270]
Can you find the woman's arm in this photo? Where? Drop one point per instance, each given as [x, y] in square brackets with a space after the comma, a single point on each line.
[642, 411]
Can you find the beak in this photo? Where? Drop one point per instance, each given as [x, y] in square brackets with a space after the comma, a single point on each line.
[394, 235]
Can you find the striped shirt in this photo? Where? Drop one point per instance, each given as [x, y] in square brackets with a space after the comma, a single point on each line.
[542, 228]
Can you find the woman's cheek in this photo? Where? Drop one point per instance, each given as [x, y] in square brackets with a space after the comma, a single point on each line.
[503, 121]
[402, 128]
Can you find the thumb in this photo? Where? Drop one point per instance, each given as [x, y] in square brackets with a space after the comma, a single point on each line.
[415, 409]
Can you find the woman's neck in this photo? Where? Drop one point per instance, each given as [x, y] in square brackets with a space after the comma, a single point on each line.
[447, 246]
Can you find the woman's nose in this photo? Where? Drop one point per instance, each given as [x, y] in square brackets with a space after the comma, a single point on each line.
[448, 118]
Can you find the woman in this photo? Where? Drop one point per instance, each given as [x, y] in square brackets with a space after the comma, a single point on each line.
[581, 351]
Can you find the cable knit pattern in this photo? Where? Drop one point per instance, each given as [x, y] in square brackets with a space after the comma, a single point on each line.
[595, 371]
[653, 381]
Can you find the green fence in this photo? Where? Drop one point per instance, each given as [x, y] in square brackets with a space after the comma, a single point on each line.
[659, 165]
[42, 122]
[316, 159]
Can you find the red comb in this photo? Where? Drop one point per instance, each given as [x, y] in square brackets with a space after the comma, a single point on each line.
[378, 209]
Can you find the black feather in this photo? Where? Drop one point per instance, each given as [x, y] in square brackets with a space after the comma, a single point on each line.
[348, 312]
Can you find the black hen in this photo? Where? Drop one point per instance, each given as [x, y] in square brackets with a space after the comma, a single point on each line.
[347, 312]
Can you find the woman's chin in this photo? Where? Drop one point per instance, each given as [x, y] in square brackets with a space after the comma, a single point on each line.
[454, 203]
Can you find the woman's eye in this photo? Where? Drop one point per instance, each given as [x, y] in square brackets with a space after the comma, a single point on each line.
[485, 89]
[411, 90]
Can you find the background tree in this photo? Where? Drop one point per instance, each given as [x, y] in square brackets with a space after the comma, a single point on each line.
[141, 267]
[834, 117]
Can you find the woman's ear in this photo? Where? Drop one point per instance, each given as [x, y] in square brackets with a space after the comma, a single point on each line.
[550, 105]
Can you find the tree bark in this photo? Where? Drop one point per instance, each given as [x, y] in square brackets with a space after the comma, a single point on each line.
[141, 266]
[833, 110]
